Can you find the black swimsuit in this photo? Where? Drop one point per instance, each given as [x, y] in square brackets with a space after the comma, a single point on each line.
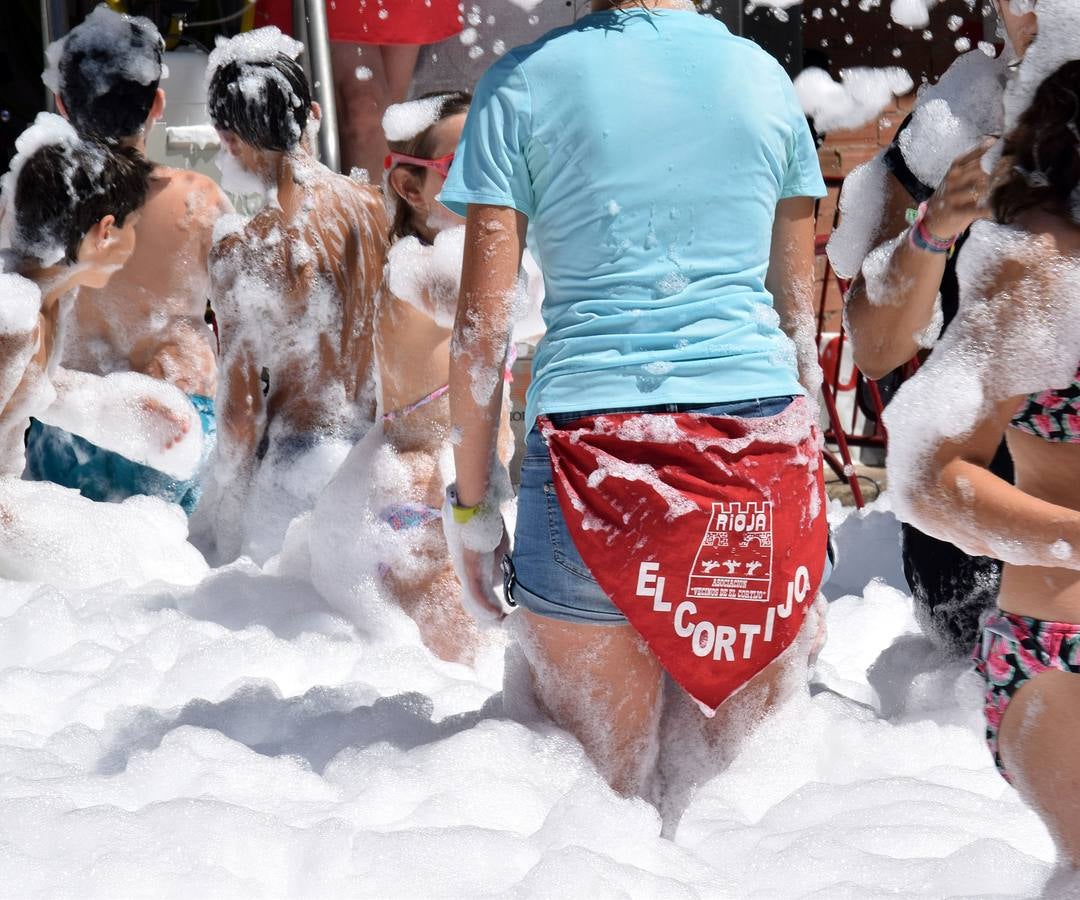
[950, 589]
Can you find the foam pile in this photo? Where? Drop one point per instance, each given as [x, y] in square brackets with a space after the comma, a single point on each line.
[144, 419]
[239, 738]
[428, 277]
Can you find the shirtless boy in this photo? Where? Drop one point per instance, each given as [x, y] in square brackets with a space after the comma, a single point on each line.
[295, 288]
[150, 317]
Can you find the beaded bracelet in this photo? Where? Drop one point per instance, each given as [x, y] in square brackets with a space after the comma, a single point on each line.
[921, 239]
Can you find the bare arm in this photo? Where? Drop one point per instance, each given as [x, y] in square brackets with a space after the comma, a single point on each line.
[942, 476]
[790, 280]
[242, 408]
[16, 351]
[884, 324]
[239, 400]
[141, 418]
[984, 514]
[494, 241]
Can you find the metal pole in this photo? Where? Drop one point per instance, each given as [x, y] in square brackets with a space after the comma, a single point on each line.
[53, 26]
[309, 26]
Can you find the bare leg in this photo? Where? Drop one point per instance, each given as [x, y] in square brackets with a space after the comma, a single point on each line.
[361, 102]
[432, 600]
[1037, 744]
[603, 685]
[774, 684]
[695, 747]
[399, 63]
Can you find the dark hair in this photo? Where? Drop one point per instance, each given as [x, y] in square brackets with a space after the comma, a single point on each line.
[422, 145]
[1040, 165]
[64, 190]
[109, 75]
[264, 102]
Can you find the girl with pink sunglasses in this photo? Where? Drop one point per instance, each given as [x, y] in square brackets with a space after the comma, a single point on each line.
[395, 480]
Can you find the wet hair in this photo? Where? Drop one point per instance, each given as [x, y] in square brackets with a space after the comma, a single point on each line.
[266, 103]
[421, 145]
[1040, 166]
[109, 76]
[64, 190]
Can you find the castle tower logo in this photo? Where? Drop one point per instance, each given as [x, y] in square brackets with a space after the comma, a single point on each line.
[734, 560]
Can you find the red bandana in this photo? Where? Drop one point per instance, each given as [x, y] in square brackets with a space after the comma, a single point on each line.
[708, 533]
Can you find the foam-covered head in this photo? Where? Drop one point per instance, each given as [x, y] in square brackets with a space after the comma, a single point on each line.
[1057, 42]
[257, 89]
[64, 188]
[106, 71]
[1040, 165]
[428, 127]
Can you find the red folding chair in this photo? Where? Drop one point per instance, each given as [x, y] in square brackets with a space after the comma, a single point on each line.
[868, 397]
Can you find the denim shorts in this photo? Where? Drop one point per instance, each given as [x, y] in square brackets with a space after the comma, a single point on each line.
[547, 575]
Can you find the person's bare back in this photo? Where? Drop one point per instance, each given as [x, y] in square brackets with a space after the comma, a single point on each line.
[296, 291]
[150, 317]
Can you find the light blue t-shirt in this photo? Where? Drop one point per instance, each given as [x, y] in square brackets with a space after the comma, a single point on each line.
[649, 150]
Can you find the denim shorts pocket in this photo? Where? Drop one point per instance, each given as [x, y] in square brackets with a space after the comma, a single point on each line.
[536, 462]
[562, 545]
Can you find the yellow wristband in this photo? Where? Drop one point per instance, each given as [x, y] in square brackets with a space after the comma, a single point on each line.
[463, 514]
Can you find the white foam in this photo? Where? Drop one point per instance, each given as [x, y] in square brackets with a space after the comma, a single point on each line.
[238, 737]
[428, 277]
[144, 419]
[237, 180]
[911, 14]
[52, 534]
[859, 97]
[862, 204]
[20, 304]
[256, 46]
[1057, 43]
[404, 121]
[954, 114]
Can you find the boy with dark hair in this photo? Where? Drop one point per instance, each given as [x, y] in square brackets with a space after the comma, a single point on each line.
[296, 288]
[71, 208]
[106, 75]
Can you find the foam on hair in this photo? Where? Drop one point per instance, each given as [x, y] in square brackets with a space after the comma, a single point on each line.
[408, 129]
[60, 188]
[257, 89]
[107, 71]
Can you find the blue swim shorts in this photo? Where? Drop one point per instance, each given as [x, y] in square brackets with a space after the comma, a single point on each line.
[55, 455]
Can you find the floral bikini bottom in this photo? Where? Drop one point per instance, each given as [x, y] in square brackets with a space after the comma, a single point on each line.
[1014, 650]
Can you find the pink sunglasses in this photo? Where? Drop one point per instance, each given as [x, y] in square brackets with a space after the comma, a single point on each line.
[440, 165]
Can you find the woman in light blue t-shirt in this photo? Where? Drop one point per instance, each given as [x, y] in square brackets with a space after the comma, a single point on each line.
[667, 178]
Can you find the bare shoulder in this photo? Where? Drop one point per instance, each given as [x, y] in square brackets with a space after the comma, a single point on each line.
[1019, 273]
[365, 198]
[1057, 236]
[235, 233]
[196, 194]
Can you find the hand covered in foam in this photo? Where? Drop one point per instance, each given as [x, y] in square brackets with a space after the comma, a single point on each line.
[477, 543]
[169, 422]
[961, 197]
[145, 420]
